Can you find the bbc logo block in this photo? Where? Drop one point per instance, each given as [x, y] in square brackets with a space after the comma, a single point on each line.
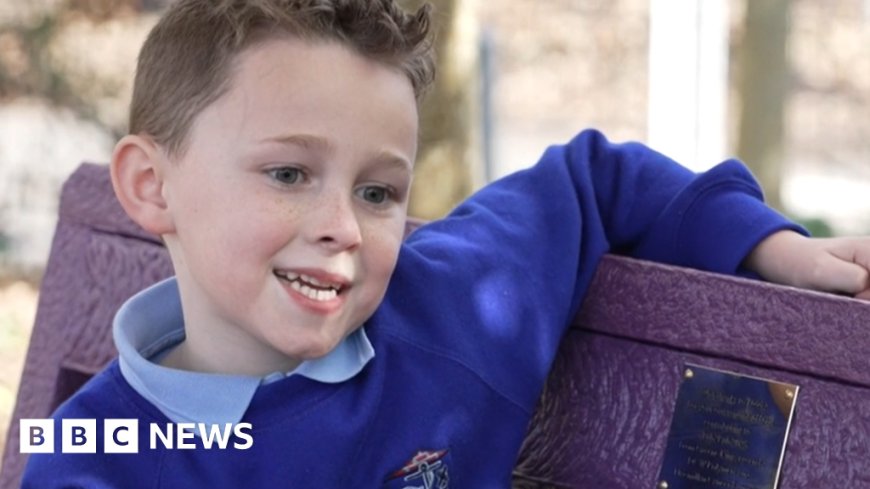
[79, 436]
[121, 436]
[37, 436]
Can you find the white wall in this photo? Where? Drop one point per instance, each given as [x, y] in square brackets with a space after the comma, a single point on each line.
[39, 148]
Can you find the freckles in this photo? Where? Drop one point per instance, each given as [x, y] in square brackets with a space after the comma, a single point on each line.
[291, 215]
[281, 209]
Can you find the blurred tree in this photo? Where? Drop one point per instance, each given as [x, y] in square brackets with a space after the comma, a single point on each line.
[25, 65]
[448, 161]
[764, 87]
[818, 227]
[38, 61]
[448, 164]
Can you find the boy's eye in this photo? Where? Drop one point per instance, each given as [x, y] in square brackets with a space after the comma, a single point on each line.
[374, 195]
[286, 175]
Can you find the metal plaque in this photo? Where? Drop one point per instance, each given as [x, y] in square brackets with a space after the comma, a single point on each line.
[728, 431]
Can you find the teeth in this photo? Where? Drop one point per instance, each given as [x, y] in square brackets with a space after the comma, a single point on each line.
[325, 295]
[311, 287]
[314, 281]
[308, 279]
[317, 295]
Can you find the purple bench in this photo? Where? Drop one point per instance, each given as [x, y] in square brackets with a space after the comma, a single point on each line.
[604, 416]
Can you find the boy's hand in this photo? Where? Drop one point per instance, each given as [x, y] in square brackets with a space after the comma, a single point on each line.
[828, 264]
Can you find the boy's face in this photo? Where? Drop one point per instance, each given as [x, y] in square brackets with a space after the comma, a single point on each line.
[289, 203]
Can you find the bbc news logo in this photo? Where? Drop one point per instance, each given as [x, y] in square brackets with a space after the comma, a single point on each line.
[122, 436]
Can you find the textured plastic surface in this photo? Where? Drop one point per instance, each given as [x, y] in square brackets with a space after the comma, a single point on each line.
[604, 416]
[98, 259]
[603, 419]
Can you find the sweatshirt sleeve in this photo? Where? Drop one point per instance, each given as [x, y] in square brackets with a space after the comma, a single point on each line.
[652, 208]
[494, 284]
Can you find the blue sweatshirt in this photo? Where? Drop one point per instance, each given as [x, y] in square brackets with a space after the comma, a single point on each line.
[463, 340]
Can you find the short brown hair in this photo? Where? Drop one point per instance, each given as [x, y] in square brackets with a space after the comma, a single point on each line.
[186, 61]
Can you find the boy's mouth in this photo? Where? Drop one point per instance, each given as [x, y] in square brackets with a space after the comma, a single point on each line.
[321, 290]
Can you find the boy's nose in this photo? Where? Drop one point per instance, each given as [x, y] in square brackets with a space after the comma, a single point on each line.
[334, 225]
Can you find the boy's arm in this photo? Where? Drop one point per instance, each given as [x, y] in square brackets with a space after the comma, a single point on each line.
[494, 284]
[832, 264]
[716, 221]
[652, 208]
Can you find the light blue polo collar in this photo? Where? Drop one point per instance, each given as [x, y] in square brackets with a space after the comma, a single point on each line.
[151, 322]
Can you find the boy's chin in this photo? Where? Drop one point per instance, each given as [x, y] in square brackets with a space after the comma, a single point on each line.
[312, 350]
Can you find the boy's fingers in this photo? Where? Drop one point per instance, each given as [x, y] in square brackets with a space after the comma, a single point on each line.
[864, 295]
[857, 252]
[839, 274]
[861, 253]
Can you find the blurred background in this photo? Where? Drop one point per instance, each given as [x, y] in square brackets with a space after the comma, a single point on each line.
[782, 84]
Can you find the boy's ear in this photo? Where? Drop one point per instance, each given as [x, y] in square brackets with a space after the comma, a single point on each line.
[137, 171]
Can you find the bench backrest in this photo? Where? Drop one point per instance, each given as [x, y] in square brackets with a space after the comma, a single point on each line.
[604, 416]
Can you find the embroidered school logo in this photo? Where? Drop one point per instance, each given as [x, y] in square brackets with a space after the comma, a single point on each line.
[425, 470]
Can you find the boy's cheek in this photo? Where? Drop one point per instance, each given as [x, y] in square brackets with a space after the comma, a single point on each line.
[382, 239]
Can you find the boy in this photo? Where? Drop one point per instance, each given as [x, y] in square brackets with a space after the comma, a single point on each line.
[271, 147]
